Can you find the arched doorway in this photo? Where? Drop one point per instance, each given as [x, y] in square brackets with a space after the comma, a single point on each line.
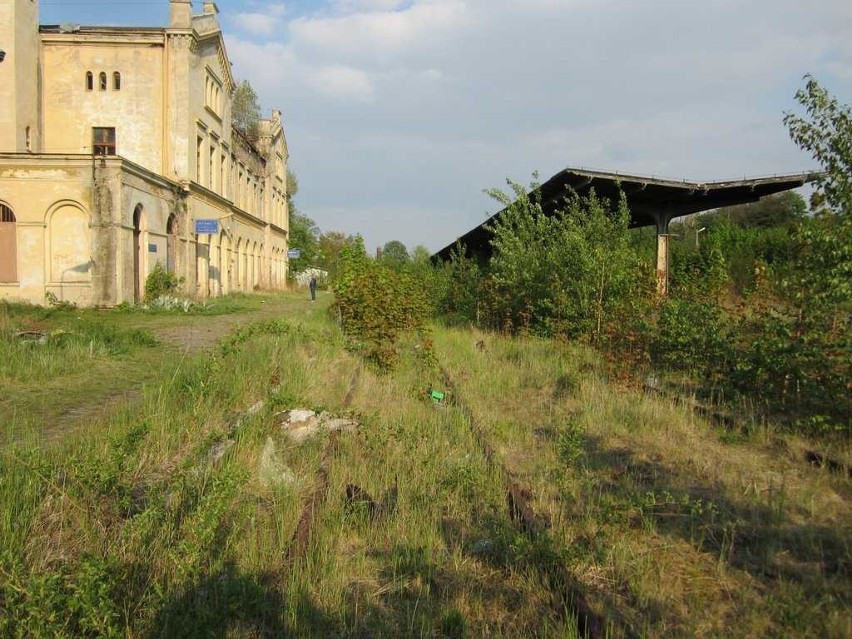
[254, 273]
[238, 265]
[225, 266]
[214, 269]
[138, 255]
[8, 245]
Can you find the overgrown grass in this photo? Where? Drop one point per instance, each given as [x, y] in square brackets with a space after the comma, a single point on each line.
[669, 527]
[174, 516]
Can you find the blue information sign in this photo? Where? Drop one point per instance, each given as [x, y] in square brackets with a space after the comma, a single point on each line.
[206, 227]
[294, 254]
[152, 248]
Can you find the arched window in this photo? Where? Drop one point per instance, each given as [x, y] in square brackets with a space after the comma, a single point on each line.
[116, 81]
[90, 81]
[8, 245]
[103, 79]
[6, 214]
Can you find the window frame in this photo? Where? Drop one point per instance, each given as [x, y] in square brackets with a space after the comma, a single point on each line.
[105, 145]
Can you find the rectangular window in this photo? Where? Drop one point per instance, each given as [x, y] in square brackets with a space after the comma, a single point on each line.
[223, 176]
[103, 140]
[210, 174]
[199, 145]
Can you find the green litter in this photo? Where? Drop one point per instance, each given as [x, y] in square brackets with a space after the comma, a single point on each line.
[436, 396]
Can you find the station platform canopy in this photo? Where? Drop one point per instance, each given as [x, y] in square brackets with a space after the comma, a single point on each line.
[652, 201]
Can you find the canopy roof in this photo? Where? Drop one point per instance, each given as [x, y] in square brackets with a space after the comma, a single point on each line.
[652, 201]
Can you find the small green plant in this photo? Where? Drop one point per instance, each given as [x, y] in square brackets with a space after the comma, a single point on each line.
[161, 282]
[453, 625]
[570, 442]
[55, 303]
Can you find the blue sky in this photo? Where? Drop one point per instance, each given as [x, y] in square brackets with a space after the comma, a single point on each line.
[399, 113]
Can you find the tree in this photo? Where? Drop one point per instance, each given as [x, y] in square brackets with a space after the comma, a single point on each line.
[377, 303]
[329, 248]
[826, 132]
[566, 273]
[421, 259]
[292, 186]
[768, 212]
[798, 350]
[826, 242]
[395, 255]
[245, 110]
[304, 235]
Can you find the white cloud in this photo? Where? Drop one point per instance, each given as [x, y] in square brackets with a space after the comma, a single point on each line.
[399, 113]
[265, 22]
[378, 35]
[357, 6]
[339, 81]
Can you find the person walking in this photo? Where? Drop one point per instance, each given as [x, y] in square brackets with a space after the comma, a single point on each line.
[313, 286]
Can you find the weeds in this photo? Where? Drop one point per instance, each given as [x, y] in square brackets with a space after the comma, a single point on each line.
[136, 530]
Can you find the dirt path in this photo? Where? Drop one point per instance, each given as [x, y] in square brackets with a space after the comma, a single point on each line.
[201, 332]
[182, 335]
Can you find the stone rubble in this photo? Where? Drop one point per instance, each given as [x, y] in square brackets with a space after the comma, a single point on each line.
[300, 425]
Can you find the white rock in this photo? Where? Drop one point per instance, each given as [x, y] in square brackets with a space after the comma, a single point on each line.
[300, 434]
[298, 415]
[273, 471]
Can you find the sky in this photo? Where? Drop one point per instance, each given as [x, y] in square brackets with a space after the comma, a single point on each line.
[399, 114]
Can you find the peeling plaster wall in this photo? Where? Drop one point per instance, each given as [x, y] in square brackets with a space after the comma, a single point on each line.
[155, 203]
[35, 192]
[179, 140]
[19, 75]
[135, 110]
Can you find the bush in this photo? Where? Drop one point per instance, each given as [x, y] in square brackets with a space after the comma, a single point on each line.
[160, 283]
[377, 304]
[563, 274]
[690, 336]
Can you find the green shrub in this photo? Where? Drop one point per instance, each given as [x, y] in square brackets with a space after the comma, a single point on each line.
[690, 336]
[377, 304]
[161, 282]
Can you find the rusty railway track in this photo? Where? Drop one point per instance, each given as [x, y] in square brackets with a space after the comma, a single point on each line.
[304, 529]
[559, 578]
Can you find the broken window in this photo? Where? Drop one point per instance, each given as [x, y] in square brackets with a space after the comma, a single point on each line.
[103, 141]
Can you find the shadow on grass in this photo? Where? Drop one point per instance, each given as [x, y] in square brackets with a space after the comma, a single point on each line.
[755, 534]
[228, 603]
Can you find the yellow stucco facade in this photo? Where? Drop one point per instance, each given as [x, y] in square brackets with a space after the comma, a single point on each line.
[114, 143]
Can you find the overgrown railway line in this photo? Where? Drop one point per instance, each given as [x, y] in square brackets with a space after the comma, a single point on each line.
[302, 533]
[731, 423]
[559, 579]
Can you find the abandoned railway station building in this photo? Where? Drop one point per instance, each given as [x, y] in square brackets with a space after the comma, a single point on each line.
[117, 152]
